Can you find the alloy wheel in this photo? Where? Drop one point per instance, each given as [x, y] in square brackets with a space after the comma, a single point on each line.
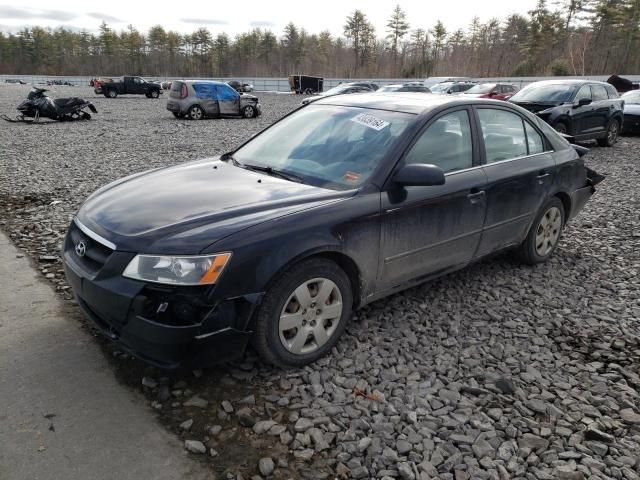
[310, 316]
[612, 134]
[548, 231]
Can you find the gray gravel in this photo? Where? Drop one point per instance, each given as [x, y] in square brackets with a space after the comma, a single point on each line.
[498, 371]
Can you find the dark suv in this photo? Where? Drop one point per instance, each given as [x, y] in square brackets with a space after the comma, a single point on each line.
[583, 109]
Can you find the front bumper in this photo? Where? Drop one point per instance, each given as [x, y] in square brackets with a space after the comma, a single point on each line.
[165, 326]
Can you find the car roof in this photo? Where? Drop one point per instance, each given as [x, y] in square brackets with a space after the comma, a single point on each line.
[568, 81]
[213, 82]
[406, 102]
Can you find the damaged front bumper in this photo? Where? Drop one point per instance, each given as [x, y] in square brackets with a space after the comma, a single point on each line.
[162, 325]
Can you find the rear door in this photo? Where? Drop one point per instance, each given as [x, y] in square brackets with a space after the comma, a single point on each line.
[519, 169]
[602, 108]
[206, 94]
[432, 228]
[228, 100]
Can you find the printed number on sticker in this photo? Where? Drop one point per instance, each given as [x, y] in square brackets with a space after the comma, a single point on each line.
[370, 121]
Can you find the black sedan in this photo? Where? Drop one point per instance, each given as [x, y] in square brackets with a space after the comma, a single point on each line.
[342, 202]
[582, 109]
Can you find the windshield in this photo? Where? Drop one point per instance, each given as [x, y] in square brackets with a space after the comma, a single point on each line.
[556, 92]
[440, 87]
[484, 88]
[631, 98]
[327, 146]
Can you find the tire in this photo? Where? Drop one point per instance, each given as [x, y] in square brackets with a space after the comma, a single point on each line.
[112, 93]
[613, 130]
[313, 332]
[545, 233]
[249, 111]
[154, 94]
[561, 127]
[196, 112]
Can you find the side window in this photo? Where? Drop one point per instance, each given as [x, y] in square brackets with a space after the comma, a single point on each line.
[534, 140]
[599, 93]
[225, 92]
[584, 92]
[137, 80]
[611, 91]
[446, 143]
[503, 134]
[204, 90]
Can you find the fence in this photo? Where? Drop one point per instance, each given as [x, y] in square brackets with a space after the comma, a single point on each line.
[262, 84]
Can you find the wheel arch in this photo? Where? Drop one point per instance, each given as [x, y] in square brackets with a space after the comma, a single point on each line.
[565, 198]
[343, 260]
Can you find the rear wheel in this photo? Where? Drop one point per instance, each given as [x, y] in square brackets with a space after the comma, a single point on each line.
[112, 93]
[196, 113]
[303, 313]
[612, 135]
[561, 127]
[249, 111]
[544, 234]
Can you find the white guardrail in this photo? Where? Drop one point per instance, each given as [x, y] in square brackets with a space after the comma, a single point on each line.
[263, 84]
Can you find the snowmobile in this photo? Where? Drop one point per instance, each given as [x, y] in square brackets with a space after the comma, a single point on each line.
[39, 105]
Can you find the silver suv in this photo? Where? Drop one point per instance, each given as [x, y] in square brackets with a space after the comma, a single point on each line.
[197, 99]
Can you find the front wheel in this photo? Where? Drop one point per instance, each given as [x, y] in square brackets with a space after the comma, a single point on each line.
[154, 94]
[561, 128]
[303, 313]
[249, 111]
[544, 235]
[612, 135]
[196, 113]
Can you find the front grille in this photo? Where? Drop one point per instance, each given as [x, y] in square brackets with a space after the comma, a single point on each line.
[95, 253]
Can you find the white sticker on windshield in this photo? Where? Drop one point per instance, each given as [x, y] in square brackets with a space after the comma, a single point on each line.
[370, 121]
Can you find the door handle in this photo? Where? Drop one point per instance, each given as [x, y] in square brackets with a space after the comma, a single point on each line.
[542, 177]
[476, 195]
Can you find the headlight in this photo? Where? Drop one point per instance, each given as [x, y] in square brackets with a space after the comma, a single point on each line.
[177, 270]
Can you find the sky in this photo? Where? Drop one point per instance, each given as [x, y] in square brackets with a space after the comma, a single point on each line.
[235, 17]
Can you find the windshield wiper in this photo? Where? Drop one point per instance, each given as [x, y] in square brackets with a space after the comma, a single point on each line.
[274, 172]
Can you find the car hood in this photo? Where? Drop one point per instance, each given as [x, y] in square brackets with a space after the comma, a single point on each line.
[184, 209]
[246, 96]
[536, 107]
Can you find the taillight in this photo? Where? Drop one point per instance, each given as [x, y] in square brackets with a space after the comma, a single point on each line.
[183, 91]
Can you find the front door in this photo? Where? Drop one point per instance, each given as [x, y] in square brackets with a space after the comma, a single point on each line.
[228, 100]
[583, 115]
[138, 85]
[430, 229]
[519, 170]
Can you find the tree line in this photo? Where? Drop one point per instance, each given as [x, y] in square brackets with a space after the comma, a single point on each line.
[568, 37]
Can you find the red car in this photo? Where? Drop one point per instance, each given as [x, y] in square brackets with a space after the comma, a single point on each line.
[497, 91]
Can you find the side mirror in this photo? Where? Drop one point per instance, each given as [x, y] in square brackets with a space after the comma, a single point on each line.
[419, 175]
[583, 101]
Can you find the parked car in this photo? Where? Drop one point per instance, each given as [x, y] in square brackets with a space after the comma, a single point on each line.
[496, 91]
[240, 87]
[452, 88]
[631, 121]
[15, 80]
[431, 81]
[306, 84]
[128, 85]
[369, 85]
[582, 109]
[198, 99]
[342, 202]
[404, 87]
[342, 89]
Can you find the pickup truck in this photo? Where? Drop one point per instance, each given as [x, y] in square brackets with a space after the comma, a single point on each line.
[131, 85]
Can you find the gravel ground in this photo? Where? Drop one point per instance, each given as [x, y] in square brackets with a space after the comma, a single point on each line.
[498, 371]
